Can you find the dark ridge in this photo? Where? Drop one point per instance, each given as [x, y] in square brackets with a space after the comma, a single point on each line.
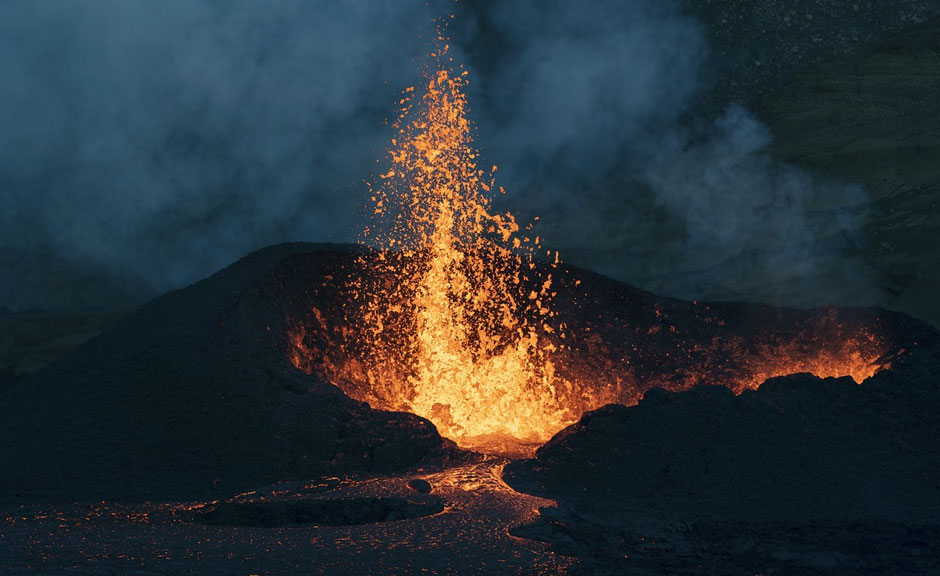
[797, 449]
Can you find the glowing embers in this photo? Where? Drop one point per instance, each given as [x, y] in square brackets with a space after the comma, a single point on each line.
[827, 349]
[481, 386]
[450, 319]
[826, 342]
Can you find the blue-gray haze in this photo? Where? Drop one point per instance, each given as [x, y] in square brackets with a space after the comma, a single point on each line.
[152, 143]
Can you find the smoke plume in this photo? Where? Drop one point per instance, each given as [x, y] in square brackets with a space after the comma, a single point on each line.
[150, 144]
[592, 115]
[160, 141]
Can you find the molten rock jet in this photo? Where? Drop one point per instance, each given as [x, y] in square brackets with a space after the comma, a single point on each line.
[453, 321]
[450, 314]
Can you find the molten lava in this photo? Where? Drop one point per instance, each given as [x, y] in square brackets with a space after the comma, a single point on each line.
[479, 367]
[447, 324]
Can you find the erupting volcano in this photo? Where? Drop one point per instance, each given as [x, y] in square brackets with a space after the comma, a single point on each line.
[452, 312]
[446, 395]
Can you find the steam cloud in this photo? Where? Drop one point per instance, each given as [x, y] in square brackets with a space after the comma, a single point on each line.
[160, 141]
[594, 112]
[153, 143]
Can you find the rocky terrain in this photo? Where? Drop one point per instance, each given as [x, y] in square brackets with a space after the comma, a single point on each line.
[802, 476]
[214, 454]
[758, 47]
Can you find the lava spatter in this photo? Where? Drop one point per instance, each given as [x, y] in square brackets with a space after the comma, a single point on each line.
[453, 320]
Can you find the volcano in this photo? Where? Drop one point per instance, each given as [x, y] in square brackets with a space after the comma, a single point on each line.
[197, 397]
[448, 396]
[199, 393]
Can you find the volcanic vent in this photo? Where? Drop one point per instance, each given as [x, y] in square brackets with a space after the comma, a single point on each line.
[453, 312]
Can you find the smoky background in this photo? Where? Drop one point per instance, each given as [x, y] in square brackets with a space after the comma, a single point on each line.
[144, 146]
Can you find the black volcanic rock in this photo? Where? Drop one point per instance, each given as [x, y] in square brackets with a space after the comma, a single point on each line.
[8, 378]
[799, 448]
[420, 485]
[192, 396]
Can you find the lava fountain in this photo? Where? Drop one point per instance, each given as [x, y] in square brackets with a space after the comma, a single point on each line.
[453, 320]
[479, 366]
[453, 312]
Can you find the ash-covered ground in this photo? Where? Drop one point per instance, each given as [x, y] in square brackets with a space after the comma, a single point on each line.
[182, 440]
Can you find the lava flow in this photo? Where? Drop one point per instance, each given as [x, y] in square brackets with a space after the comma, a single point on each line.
[450, 314]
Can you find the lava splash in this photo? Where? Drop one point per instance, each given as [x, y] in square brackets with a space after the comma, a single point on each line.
[454, 321]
